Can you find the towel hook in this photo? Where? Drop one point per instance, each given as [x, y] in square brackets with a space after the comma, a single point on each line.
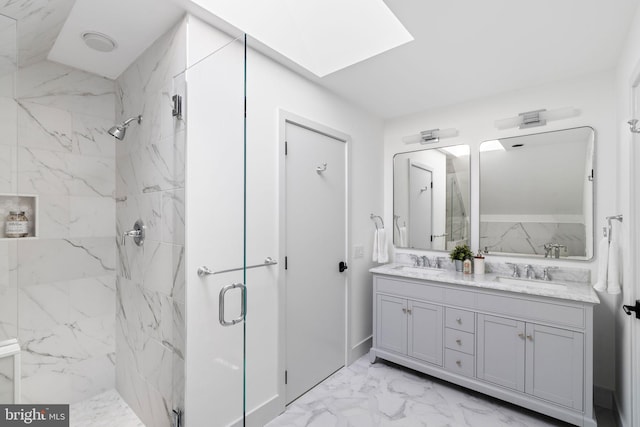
[632, 124]
[320, 169]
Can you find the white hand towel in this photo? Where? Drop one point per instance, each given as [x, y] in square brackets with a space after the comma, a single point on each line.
[383, 254]
[613, 279]
[603, 262]
[403, 237]
[375, 246]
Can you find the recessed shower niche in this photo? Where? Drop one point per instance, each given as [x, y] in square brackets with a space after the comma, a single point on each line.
[19, 203]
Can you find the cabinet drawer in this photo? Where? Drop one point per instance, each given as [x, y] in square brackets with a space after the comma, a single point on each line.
[459, 341]
[459, 363]
[460, 319]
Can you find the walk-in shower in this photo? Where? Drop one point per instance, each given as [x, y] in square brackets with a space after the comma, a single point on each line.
[120, 130]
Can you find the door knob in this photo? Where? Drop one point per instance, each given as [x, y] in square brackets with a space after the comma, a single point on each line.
[635, 308]
[342, 266]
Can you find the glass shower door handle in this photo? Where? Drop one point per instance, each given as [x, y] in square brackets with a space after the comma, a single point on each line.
[221, 300]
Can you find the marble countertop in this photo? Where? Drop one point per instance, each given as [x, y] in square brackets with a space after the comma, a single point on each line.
[572, 291]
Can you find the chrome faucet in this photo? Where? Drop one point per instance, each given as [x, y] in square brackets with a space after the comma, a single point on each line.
[414, 258]
[545, 273]
[515, 270]
[552, 250]
[435, 263]
[528, 272]
[425, 261]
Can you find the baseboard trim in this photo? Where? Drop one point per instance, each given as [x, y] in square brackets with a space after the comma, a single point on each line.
[603, 397]
[617, 413]
[360, 349]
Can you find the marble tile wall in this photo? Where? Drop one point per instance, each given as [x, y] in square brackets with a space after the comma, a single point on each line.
[530, 237]
[61, 293]
[150, 168]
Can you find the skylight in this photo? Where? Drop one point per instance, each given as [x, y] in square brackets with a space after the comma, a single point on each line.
[322, 36]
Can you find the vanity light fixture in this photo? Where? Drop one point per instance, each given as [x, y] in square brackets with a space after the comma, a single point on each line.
[430, 136]
[536, 118]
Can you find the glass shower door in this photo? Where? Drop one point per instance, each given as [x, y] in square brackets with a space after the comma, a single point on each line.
[215, 239]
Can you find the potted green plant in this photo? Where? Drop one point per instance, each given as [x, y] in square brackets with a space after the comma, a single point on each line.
[459, 254]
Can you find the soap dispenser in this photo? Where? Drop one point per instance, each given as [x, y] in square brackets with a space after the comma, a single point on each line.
[478, 264]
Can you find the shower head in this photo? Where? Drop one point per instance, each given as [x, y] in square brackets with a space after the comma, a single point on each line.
[118, 131]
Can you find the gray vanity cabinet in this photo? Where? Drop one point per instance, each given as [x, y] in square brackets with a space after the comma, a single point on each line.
[530, 350]
[539, 360]
[410, 328]
[501, 351]
[555, 365]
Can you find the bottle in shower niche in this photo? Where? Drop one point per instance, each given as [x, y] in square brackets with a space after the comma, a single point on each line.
[17, 224]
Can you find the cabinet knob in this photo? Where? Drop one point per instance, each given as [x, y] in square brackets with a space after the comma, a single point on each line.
[459, 362]
[529, 337]
[404, 310]
[521, 335]
[459, 320]
[459, 341]
[409, 311]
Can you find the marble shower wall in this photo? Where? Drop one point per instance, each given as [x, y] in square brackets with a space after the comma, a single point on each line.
[530, 237]
[66, 277]
[150, 279]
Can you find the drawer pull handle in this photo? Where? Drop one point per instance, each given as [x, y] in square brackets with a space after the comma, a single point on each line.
[459, 320]
[521, 335]
[459, 341]
[459, 362]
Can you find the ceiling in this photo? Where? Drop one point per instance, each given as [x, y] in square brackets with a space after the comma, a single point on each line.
[462, 50]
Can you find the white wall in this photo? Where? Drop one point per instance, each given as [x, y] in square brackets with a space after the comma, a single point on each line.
[593, 95]
[628, 67]
[272, 89]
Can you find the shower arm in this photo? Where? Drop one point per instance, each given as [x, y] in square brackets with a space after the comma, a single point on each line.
[126, 122]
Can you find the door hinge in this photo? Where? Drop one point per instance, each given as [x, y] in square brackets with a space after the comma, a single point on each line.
[286, 148]
[431, 184]
[286, 263]
[177, 107]
[432, 237]
[286, 377]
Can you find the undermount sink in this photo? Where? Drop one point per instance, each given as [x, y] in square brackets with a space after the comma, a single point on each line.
[419, 270]
[540, 284]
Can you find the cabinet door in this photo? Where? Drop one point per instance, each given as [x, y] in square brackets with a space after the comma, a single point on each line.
[425, 332]
[555, 361]
[391, 323]
[501, 350]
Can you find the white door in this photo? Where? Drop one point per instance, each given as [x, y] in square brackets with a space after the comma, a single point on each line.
[634, 227]
[420, 195]
[315, 245]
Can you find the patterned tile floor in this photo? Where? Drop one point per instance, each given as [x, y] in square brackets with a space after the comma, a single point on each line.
[364, 395]
[388, 395]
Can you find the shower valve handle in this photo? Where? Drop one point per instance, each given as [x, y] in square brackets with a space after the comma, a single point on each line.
[138, 233]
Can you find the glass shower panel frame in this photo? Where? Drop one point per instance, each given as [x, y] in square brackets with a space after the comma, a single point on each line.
[216, 238]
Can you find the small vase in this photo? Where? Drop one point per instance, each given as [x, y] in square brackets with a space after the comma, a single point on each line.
[458, 264]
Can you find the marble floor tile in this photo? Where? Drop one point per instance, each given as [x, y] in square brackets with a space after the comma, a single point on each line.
[104, 410]
[385, 394]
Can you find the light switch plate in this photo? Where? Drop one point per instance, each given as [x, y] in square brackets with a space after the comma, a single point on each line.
[358, 251]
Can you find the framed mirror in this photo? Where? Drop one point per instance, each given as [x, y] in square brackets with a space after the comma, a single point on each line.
[431, 198]
[536, 194]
